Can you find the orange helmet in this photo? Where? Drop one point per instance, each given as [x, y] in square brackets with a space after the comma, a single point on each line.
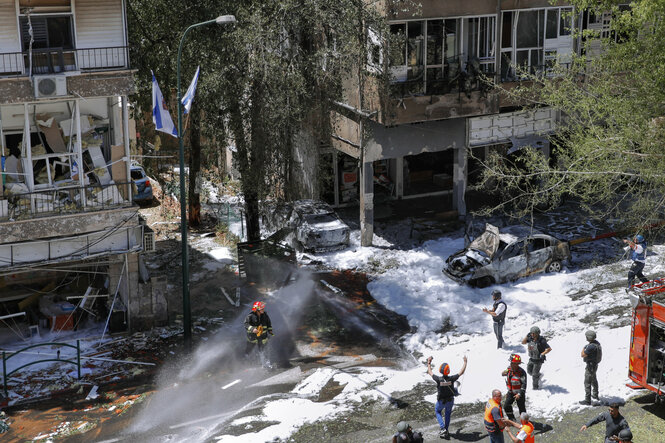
[515, 358]
[444, 369]
[258, 305]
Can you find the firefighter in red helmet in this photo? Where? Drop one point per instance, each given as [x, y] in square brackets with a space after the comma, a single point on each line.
[258, 327]
[516, 386]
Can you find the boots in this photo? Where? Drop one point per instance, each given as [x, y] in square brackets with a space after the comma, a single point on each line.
[586, 401]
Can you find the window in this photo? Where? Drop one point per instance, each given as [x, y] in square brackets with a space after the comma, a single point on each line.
[533, 40]
[47, 32]
[427, 56]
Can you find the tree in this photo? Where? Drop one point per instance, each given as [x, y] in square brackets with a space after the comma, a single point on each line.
[608, 151]
[270, 77]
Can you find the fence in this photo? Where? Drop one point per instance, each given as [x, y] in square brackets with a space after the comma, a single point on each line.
[6, 374]
[63, 200]
[57, 60]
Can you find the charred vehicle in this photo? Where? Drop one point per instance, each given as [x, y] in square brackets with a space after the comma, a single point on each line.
[506, 255]
[315, 225]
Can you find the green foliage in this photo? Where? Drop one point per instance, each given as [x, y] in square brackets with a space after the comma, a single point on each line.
[225, 237]
[608, 151]
[263, 80]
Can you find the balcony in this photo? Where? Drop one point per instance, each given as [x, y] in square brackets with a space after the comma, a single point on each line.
[59, 60]
[68, 198]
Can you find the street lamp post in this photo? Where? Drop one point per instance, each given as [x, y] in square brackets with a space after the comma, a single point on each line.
[186, 309]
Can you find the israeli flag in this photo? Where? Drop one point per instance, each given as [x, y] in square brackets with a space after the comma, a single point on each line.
[189, 96]
[160, 114]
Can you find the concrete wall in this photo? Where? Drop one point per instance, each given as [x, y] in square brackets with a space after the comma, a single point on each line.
[436, 107]
[398, 141]
[103, 84]
[66, 225]
[452, 8]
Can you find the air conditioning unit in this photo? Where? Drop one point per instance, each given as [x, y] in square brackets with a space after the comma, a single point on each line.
[50, 86]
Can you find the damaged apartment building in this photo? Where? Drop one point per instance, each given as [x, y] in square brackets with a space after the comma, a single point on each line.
[71, 238]
[439, 121]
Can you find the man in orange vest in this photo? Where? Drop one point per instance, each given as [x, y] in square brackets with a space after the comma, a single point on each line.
[525, 435]
[494, 420]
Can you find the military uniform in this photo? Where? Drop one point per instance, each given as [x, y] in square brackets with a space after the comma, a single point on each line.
[592, 351]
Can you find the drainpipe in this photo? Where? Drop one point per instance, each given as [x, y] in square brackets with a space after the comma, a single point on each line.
[497, 43]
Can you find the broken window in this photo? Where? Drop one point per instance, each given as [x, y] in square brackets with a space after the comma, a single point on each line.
[533, 41]
[430, 56]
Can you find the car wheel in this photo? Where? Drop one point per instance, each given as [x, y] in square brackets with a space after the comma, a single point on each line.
[555, 266]
[483, 282]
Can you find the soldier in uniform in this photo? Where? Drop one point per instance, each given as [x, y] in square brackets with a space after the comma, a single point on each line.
[537, 348]
[592, 353]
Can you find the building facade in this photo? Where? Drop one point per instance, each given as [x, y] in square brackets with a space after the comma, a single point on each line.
[71, 237]
[427, 134]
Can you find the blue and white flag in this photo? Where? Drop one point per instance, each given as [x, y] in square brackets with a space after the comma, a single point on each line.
[160, 114]
[189, 96]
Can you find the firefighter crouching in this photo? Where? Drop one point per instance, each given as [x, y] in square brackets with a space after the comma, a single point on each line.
[257, 327]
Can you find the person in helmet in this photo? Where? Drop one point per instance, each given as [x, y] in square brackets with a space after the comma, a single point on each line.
[592, 353]
[614, 423]
[498, 313]
[537, 348]
[625, 436]
[258, 327]
[446, 392]
[638, 254]
[405, 434]
[516, 386]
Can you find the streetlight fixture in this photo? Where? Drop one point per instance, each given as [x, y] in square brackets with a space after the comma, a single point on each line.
[186, 308]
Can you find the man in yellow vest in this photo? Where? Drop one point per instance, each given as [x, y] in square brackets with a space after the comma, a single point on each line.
[525, 435]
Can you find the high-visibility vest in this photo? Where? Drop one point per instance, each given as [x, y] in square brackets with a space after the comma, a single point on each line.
[514, 380]
[490, 425]
[528, 429]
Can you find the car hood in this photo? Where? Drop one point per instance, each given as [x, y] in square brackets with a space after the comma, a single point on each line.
[487, 242]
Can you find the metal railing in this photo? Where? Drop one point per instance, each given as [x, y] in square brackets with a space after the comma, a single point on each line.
[64, 200]
[5, 357]
[57, 60]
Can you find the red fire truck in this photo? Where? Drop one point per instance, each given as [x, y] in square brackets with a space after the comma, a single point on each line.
[646, 367]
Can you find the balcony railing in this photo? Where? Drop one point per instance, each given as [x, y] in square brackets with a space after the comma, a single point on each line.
[57, 60]
[63, 200]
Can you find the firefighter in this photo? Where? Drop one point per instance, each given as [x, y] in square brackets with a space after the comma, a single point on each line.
[638, 254]
[494, 420]
[614, 423]
[525, 435]
[498, 313]
[446, 392]
[537, 348]
[405, 434]
[516, 385]
[592, 353]
[257, 327]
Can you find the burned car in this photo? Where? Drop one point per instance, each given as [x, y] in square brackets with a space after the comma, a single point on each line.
[315, 225]
[506, 255]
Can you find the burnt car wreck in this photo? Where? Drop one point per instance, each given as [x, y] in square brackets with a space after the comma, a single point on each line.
[498, 256]
[314, 225]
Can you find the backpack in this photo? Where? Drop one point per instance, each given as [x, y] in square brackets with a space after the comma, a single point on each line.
[599, 353]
